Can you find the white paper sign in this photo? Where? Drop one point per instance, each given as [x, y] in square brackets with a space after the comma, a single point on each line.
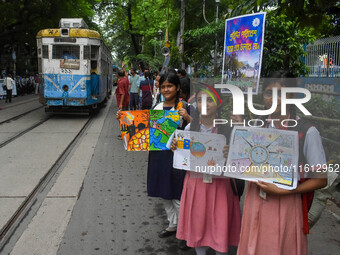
[269, 155]
[199, 152]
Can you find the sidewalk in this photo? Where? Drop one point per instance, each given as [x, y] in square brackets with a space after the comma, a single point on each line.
[17, 100]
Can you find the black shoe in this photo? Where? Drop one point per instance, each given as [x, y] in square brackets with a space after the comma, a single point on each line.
[166, 233]
[183, 245]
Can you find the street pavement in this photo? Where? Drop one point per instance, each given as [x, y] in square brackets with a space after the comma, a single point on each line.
[106, 210]
[113, 214]
[18, 99]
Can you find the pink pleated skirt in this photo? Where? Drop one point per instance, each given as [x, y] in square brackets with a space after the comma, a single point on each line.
[273, 225]
[209, 213]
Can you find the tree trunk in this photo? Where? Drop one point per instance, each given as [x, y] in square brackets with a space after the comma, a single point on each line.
[133, 36]
[181, 44]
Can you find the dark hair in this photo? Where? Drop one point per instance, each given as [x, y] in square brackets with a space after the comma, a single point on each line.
[279, 77]
[182, 72]
[121, 73]
[185, 87]
[285, 79]
[172, 78]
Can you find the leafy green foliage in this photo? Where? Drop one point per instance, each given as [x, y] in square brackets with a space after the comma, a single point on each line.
[131, 28]
[323, 16]
[283, 46]
[20, 21]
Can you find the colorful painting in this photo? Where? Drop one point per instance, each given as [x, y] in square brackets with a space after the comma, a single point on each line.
[269, 155]
[243, 47]
[148, 130]
[199, 152]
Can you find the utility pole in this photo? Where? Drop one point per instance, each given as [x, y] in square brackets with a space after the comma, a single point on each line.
[181, 34]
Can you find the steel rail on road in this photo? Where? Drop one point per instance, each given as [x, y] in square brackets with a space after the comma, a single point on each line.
[19, 216]
[11, 139]
[20, 115]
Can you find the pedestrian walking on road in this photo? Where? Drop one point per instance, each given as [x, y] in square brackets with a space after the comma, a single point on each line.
[134, 89]
[146, 86]
[122, 91]
[9, 83]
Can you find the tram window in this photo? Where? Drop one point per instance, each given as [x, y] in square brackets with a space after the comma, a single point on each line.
[93, 66]
[94, 52]
[87, 52]
[65, 52]
[45, 51]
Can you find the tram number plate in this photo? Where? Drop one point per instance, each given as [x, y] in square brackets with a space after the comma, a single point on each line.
[66, 71]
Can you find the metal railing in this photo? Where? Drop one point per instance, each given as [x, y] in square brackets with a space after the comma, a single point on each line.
[323, 57]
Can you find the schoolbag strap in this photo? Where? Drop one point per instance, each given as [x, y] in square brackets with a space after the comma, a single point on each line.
[233, 186]
[302, 127]
[305, 211]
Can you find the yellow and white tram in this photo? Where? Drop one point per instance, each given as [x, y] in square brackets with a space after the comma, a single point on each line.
[75, 67]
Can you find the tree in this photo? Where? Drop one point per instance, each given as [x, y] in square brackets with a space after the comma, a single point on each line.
[20, 21]
[323, 16]
[283, 45]
[132, 27]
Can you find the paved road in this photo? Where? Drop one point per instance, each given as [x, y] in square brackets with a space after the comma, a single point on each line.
[108, 211]
[114, 215]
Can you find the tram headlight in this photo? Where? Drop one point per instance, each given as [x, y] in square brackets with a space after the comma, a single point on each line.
[82, 86]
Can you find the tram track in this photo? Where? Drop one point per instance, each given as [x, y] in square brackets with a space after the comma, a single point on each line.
[20, 103]
[20, 115]
[41, 189]
[11, 139]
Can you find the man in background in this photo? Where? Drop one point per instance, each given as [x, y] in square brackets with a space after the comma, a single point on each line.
[9, 83]
[134, 87]
[122, 92]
